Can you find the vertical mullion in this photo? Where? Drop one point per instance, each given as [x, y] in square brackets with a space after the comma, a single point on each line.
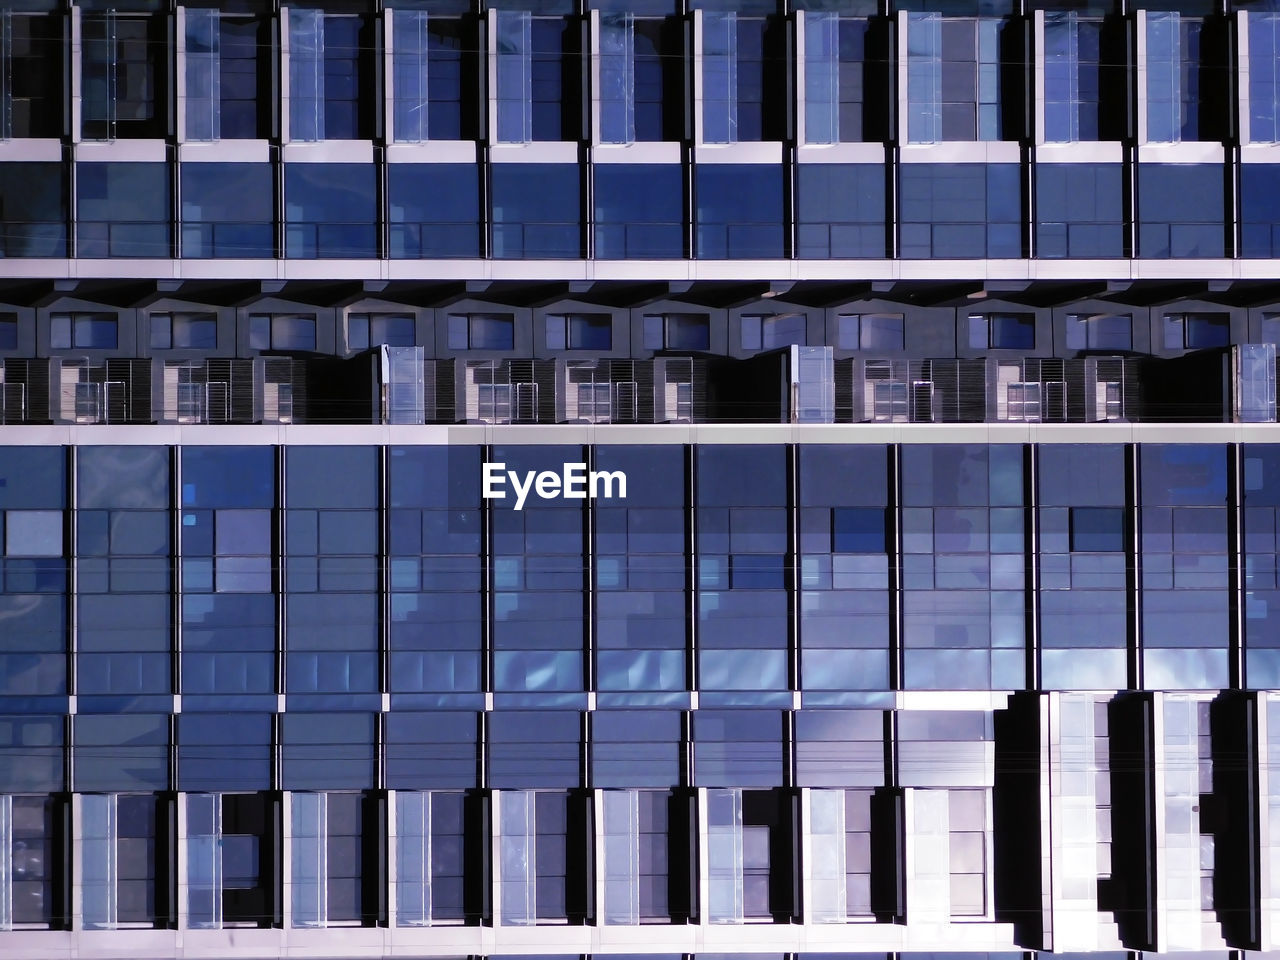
[526, 76]
[112, 65]
[112, 860]
[6, 862]
[6, 74]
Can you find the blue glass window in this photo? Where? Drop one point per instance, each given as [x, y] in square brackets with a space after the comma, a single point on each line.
[184, 331]
[537, 86]
[529, 749]
[330, 210]
[1264, 78]
[33, 607]
[846, 78]
[742, 64]
[1186, 602]
[122, 210]
[123, 76]
[437, 605]
[1181, 209]
[639, 211]
[839, 748]
[1262, 590]
[34, 199]
[1180, 79]
[840, 210]
[32, 91]
[375, 329]
[964, 568]
[1079, 210]
[432, 750]
[635, 748]
[677, 331]
[282, 331]
[328, 751]
[224, 71]
[100, 742]
[83, 331]
[31, 749]
[737, 748]
[870, 331]
[742, 558]
[640, 78]
[1099, 331]
[435, 209]
[539, 579]
[536, 210]
[728, 229]
[481, 331]
[844, 571]
[1002, 331]
[953, 78]
[331, 574]
[579, 331]
[1196, 331]
[431, 81]
[124, 568]
[1072, 74]
[227, 210]
[1097, 529]
[224, 752]
[961, 210]
[331, 75]
[1259, 210]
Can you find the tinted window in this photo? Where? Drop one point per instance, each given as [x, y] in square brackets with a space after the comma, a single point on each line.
[434, 209]
[227, 210]
[536, 210]
[726, 227]
[639, 211]
[330, 210]
[840, 210]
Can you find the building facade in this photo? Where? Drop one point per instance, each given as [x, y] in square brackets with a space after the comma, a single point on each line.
[928, 347]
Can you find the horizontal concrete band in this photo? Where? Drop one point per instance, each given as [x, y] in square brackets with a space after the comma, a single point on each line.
[675, 433]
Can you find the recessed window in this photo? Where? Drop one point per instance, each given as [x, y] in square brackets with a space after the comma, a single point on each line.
[26, 837]
[482, 331]
[1099, 331]
[83, 331]
[184, 331]
[1196, 331]
[858, 530]
[677, 331]
[8, 332]
[1002, 331]
[968, 848]
[123, 76]
[869, 331]
[1270, 328]
[760, 332]
[366, 330]
[282, 331]
[331, 75]
[1097, 529]
[579, 331]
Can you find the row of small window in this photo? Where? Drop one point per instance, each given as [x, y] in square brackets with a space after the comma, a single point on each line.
[881, 332]
[963, 211]
[439, 846]
[964, 76]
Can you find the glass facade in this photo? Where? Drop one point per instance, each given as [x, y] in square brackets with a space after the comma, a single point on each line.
[419, 81]
[778, 683]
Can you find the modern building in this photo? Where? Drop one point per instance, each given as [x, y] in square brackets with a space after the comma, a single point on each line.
[934, 342]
